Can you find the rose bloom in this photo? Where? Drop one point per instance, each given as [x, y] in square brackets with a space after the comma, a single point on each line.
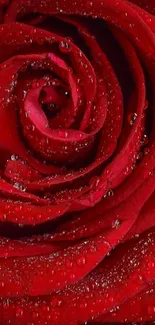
[77, 162]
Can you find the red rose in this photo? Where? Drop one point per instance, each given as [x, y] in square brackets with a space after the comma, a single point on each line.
[77, 167]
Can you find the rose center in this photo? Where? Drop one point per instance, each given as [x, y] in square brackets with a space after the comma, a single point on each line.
[52, 99]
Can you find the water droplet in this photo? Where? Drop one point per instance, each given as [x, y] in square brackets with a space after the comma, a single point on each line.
[20, 187]
[83, 305]
[144, 140]
[69, 264]
[79, 136]
[4, 216]
[94, 182]
[139, 156]
[19, 312]
[136, 277]
[104, 284]
[14, 157]
[93, 249]
[127, 170]
[132, 118]
[110, 193]
[56, 302]
[6, 304]
[146, 151]
[23, 68]
[151, 310]
[35, 315]
[111, 299]
[81, 260]
[146, 104]
[116, 224]
[151, 265]
[72, 276]
[64, 47]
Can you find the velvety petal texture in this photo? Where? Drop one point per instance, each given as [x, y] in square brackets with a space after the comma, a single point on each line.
[77, 162]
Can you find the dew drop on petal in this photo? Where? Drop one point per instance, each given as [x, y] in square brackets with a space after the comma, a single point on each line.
[79, 136]
[151, 310]
[72, 276]
[111, 299]
[6, 304]
[69, 264]
[14, 157]
[4, 216]
[116, 224]
[64, 47]
[94, 182]
[93, 249]
[110, 193]
[19, 312]
[19, 187]
[151, 265]
[132, 118]
[144, 140]
[81, 260]
[56, 302]
[35, 315]
[146, 151]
